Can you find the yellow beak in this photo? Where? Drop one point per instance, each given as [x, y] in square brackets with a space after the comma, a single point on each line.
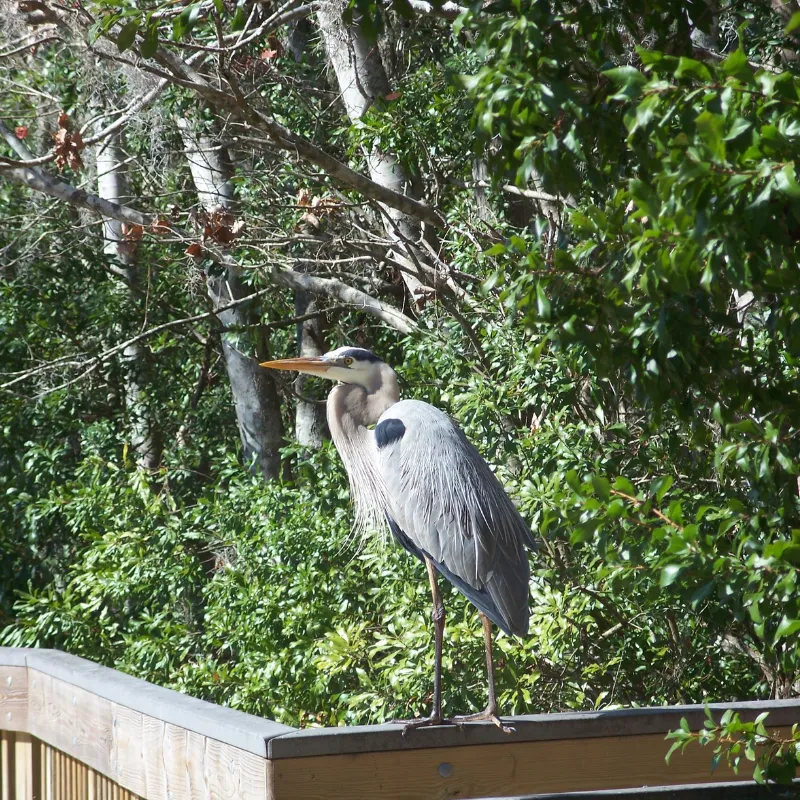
[311, 366]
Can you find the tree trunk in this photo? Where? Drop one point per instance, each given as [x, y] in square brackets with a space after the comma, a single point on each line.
[309, 420]
[362, 79]
[244, 341]
[112, 185]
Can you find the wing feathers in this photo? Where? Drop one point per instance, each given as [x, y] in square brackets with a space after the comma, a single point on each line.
[450, 507]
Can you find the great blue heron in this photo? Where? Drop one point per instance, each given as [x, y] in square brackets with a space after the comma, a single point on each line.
[418, 473]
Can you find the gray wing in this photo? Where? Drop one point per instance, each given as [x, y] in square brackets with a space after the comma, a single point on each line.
[448, 505]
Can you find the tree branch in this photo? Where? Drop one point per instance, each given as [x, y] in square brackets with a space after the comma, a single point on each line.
[347, 294]
[55, 187]
[187, 76]
[96, 361]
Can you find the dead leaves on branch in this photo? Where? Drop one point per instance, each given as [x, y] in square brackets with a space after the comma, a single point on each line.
[218, 226]
[315, 209]
[132, 233]
[68, 145]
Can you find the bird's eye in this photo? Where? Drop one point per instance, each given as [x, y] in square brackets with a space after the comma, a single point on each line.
[348, 362]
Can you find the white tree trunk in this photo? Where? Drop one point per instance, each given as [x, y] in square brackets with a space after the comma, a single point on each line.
[255, 396]
[362, 78]
[112, 185]
[309, 419]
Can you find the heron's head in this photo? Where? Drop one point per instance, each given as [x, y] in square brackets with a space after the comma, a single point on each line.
[345, 364]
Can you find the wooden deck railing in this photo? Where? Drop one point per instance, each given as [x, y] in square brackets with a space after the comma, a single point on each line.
[72, 729]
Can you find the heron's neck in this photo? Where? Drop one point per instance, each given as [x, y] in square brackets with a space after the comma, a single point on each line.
[355, 406]
[351, 408]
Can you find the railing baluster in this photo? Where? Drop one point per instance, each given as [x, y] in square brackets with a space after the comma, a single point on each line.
[7, 764]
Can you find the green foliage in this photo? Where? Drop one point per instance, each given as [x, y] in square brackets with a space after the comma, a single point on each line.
[627, 361]
[774, 757]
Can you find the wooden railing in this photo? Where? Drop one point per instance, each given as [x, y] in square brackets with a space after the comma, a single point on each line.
[72, 729]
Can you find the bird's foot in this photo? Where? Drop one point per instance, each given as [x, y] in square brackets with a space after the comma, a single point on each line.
[488, 714]
[422, 722]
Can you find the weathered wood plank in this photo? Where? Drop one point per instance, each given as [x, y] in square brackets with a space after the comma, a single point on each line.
[233, 773]
[71, 719]
[492, 770]
[7, 768]
[27, 769]
[13, 698]
[127, 767]
[227, 725]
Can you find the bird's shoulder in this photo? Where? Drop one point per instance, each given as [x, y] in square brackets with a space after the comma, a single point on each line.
[417, 415]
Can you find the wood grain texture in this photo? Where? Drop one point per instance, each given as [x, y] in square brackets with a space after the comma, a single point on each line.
[27, 778]
[159, 761]
[70, 719]
[142, 755]
[235, 728]
[13, 698]
[127, 766]
[493, 770]
[7, 771]
[233, 773]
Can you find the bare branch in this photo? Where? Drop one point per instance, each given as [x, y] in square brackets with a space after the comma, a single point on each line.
[94, 362]
[53, 187]
[29, 45]
[187, 76]
[347, 294]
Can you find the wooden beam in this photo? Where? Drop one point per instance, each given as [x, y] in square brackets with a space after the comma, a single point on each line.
[13, 698]
[71, 719]
[107, 736]
[493, 770]
[243, 731]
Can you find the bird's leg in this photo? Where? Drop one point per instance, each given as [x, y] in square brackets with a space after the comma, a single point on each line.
[491, 712]
[438, 617]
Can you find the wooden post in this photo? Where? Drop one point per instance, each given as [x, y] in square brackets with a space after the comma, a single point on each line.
[27, 767]
[7, 765]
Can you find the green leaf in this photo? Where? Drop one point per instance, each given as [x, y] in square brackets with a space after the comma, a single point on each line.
[185, 21]
[127, 35]
[786, 627]
[602, 486]
[239, 17]
[542, 302]
[645, 196]
[149, 44]
[625, 486]
[661, 486]
[703, 593]
[630, 81]
[626, 75]
[669, 575]
[736, 65]
[793, 23]
[689, 67]
[786, 182]
[738, 127]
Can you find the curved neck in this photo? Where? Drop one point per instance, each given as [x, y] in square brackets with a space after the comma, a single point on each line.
[351, 409]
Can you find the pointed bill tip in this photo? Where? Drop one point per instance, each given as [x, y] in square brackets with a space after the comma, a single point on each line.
[315, 366]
